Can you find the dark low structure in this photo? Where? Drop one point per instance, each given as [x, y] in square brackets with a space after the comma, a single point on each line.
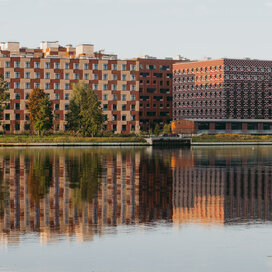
[219, 126]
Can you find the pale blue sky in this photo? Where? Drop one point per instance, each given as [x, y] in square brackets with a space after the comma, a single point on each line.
[130, 28]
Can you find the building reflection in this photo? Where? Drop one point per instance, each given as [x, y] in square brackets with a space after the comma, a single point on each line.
[221, 186]
[81, 193]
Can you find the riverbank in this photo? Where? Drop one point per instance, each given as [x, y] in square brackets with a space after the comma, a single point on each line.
[228, 139]
[62, 140]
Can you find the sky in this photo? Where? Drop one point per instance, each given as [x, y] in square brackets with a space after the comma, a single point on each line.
[132, 28]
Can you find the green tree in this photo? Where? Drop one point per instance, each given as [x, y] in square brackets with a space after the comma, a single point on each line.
[4, 95]
[85, 116]
[157, 130]
[40, 109]
[167, 128]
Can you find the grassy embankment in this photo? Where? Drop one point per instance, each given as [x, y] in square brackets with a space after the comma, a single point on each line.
[67, 139]
[232, 138]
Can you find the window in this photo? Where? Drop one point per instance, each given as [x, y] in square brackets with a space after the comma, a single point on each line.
[114, 117]
[57, 117]
[37, 85]
[114, 127]
[132, 87]
[27, 64]
[132, 108]
[124, 97]
[36, 65]
[56, 65]
[76, 76]
[124, 127]
[7, 74]
[124, 107]
[47, 75]
[37, 75]
[105, 66]
[27, 75]
[95, 66]
[124, 77]
[124, 117]
[124, 87]
[17, 116]
[27, 85]
[76, 66]
[57, 76]
[114, 97]
[105, 77]
[17, 126]
[105, 97]
[17, 96]
[66, 96]
[17, 106]
[7, 116]
[132, 77]
[56, 86]
[132, 128]
[26, 117]
[26, 96]
[47, 65]
[124, 67]
[114, 87]
[86, 66]
[114, 66]
[17, 64]
[67, 65]
[95, 87]
[7, 127]
[86, 76]
[57, 96]
[17, 85]
[133, 97]
[132, 117]
[47, 86]
[132, 67]
[7, 64]
[67, 86]
[17, 74]
[67, 76]
[105, 86]
[27, 126]
[114, 77]
[56, 106]
[57, 127]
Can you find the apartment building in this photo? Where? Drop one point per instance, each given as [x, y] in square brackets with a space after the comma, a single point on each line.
[224, 90]
[155, 91]
[55, 69]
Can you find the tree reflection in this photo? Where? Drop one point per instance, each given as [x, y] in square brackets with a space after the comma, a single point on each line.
[84, 171]
[40, 175]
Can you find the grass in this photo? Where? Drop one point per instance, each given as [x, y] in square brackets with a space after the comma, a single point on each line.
[232, 138]
[67, 139]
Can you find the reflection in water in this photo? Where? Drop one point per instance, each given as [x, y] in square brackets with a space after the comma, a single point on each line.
[85, 192]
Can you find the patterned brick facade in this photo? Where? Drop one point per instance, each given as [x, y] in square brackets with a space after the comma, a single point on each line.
[222, 89]
[55, 69]
[155, 92]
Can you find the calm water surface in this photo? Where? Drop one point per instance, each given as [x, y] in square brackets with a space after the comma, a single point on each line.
[136, 209]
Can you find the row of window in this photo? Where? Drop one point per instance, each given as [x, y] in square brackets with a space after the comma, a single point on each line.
[227, 68]
[67, 65]
[201, 103]
[197, 87]
[154, 67]
[47, 75]
[198, 95]
[198, 111]
[249, 77]
[67, 86]
[114, 107]
[18, 106]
